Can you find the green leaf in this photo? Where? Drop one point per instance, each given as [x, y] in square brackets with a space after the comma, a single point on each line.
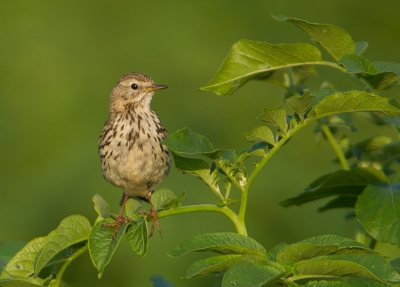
[54, 283]
[362, 282]
[199, 168]
[20, 282]
[300, 104]
[378, 210]
[230, 156]
[341, 120]
[72, 230]
[250, 60]
[178, 202]
[318, 95]
[331, 268]
[378, 119]
[353, 101]
[229, 167]
[382, 66]
[394, 102]
[252, 274]
[302, 251]
[101, 245]
[327, 284]
[133, 207]
[22, 264]
[368, 145]
[291, 78]
[371, 266]
[101, 206]
[160, 281]
[364, 69]
[258, 149]
[375, 151]
[334, 39]
[341, 182]
[339, 202]
[396, 264]
[318, 246]
[361, 47]
[300, 73]
[261, 133]
[357, 64]
[225, 243]
[331, 239]
[276, 117]
[219, 264]
[187, 142]
[163, 198]
[137, 235]
[380, 81]
[394, 121]
[273, 252]
[391, 150]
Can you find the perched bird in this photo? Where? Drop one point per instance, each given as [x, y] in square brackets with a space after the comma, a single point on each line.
[132, 155]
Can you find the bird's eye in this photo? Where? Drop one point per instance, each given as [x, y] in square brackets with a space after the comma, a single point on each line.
[134, 86]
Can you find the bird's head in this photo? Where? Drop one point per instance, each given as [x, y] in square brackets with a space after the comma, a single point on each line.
[133, 89]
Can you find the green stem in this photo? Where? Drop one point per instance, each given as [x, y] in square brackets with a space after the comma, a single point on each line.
[243, 201]
[259, 167]
[336, 147]
[66, 264]
[228, 190]
[240, 228]
[243, 206]
[270, 153]
[232, 178]
[266, 158]
[283, 140]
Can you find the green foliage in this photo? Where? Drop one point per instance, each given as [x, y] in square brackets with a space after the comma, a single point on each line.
[187, 142]
[250, 60]
[37, 261]
[349, 183]
[334, 39]
[378, 210]
[362, 184]
[225, 243]
[101, 246]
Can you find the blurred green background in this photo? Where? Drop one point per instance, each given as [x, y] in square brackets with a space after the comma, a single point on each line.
[59, 62]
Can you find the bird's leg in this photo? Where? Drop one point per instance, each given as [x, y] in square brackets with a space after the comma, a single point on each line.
[120, 219]
[153, 215]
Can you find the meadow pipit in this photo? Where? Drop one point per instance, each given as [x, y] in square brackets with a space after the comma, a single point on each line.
[132, 155]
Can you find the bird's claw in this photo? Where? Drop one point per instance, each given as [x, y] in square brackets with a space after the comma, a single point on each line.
[153, 215]
[116, 224]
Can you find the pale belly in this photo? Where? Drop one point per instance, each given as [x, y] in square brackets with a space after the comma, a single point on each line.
[138, 171]
[134, 160]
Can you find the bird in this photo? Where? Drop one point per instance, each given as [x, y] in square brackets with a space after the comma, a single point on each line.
[132, 155]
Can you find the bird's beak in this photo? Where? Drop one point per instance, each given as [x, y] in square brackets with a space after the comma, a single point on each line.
[156, 87]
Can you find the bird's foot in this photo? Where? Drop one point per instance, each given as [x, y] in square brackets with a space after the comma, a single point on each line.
[116, 224]
[153, 215]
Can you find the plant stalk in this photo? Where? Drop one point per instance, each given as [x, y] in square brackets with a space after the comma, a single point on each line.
[66, 264]
[271, 152]
[336, 147]
[232, 178]
[239, 226]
